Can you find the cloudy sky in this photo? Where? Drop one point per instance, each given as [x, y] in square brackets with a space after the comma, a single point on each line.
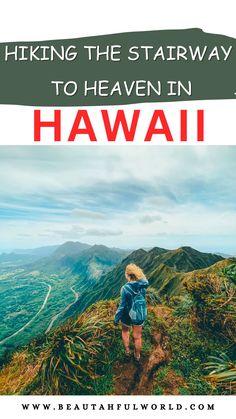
[130, 196]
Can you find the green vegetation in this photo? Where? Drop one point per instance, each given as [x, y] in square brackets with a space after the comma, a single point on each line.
[184, 307]
[158, 391]
[214, 297]
[23, 294]
[75, 351]
[78, 357]
[222, 371]
[188, 338]
[214, 308]
[68, 269]
[183, 391]
[190, 349]
[164, 268]
[204, 325]
[153, 296]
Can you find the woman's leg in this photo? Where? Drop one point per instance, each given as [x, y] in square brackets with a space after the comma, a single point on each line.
[137, 333]
[125, 337]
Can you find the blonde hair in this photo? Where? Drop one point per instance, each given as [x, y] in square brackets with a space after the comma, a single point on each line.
[134, 272]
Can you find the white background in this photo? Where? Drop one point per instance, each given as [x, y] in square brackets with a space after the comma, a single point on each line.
[48, 20]
[45, 20]
[222, 405]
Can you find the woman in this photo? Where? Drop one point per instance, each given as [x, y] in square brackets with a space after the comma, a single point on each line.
[136, 285]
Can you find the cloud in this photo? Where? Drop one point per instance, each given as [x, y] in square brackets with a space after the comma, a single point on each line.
[102, 232]
[87, 214]
[46, 191]
[148, 219]
[69, 233]
[77, 232]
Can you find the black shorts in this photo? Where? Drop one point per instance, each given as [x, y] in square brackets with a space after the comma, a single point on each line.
[126, 320]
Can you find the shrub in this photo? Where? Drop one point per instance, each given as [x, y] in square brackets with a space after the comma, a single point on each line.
[190, 349]
[175, 300]
[153, 296]
[214, 297]
[184, 307]
[158, 391]
[184, 391]
[74, 353]
[222, 371]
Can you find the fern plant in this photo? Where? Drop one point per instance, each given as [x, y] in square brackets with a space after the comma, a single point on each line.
[153, 296]
[230, 272]
[222, 371]
[74, 352]
[214, 298]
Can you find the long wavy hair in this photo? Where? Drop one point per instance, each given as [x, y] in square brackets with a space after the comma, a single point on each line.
[135, 272]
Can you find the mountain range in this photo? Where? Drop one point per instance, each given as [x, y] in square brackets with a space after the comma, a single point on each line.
[72, 276]
[58, 313]
[165, 270]
[20, 257]
[80, 259]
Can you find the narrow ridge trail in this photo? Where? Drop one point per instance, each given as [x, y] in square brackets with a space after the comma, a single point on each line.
[131, 379]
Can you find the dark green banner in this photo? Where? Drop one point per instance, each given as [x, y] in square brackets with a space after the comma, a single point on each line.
[136, 67]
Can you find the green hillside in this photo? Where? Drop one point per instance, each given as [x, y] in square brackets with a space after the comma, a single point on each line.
[21, 257]
[92, 262]
[77, 258]
[165, 270]
[39, 297]
[189, 347]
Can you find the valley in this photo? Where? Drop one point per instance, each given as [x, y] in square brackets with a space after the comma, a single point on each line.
[31, 320]
[72, 294]
[31, 303]
[62, 311]
[40, 295]
[43, 294]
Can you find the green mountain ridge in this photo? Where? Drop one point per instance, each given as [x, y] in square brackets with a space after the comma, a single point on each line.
[184, 340]
[70, 248]
[22, 257]
[58, 280]
[75, 258]
[74, 281]
[164, 268]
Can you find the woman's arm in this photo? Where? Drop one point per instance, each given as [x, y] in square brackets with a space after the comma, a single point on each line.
[122, 306]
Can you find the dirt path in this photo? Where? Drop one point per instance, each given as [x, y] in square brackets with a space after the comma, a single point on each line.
[131, 379]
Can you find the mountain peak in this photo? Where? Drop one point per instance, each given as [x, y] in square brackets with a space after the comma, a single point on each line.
[137, 253]
[70, 248]
[99, 247]
[191, 251]
[187, 248]
[157, 251]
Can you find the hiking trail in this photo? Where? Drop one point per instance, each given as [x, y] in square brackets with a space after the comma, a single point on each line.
[131, 379]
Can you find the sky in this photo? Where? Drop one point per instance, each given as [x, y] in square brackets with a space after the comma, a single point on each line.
[123, 196]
